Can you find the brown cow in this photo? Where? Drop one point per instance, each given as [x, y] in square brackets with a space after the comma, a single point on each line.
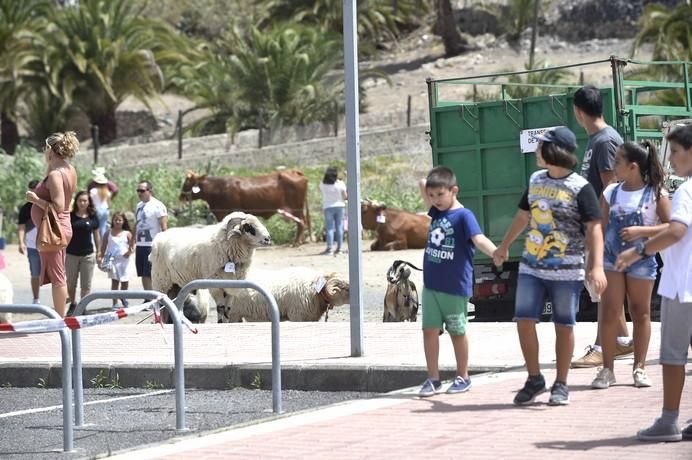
[396, 229]
[264, 196]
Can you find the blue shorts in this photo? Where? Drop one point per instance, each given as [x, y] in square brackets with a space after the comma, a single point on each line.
[532, 292]
[142, 261]
[644, 269]
[34, 262]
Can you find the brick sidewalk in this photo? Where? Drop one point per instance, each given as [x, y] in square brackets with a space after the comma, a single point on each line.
[480, 424]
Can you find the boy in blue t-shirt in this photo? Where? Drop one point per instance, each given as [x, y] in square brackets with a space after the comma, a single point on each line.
[448, 277]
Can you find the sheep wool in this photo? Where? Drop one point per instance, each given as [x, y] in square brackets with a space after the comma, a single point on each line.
[296, 292]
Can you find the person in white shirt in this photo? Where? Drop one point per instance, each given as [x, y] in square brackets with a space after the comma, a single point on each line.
[675, 289]
[333, 202]
[151, 218]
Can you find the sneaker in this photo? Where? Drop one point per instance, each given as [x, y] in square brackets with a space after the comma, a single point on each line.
[533, 387]
[71, 309]
[660, 432]
[559, 395]
[604, 379]
[125, 302]
[338, 252]
[459, 385]
[36, 302]
[623, 351]
[592, 358]
[327, 252]
[687, 433]
[641, 380]
[430, 388]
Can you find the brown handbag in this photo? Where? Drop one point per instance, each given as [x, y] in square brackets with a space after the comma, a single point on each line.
[50, 237]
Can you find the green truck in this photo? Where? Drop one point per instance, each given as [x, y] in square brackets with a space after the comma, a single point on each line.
[488, 145]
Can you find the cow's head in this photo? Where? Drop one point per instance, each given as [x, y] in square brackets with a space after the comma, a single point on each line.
[247, 228]
[192, 187]
[370, 213]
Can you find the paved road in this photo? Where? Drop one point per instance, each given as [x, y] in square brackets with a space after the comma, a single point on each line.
[120, 419]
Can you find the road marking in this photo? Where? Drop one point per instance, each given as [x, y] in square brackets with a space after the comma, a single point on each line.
[100, 401]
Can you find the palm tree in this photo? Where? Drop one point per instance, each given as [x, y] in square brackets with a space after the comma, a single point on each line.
[446, 27]
[20, 23]
[109, 51]
[378, 20]
[670, 31]
[282, 76]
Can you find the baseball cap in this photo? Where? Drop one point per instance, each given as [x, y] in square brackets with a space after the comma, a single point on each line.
[561, 136]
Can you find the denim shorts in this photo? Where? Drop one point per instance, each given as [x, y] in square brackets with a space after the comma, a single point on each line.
[644, 269]
[533, 292]
[34, 262]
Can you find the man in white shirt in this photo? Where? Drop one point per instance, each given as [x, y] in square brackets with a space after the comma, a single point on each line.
[151, 218]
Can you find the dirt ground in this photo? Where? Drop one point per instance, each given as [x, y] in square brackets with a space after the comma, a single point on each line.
[374, 270]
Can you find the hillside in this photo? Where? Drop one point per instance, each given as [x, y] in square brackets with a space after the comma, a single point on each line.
[607, 29]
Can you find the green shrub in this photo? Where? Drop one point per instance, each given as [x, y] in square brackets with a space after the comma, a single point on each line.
[397, 188]
[15, 173]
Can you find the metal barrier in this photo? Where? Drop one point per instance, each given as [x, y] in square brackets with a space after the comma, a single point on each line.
[273, 312]
[67, 428]
[177, 345]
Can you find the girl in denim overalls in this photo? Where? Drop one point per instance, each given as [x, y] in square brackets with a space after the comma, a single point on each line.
[637, 207]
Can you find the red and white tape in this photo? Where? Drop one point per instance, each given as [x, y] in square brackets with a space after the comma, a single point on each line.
[81, 322]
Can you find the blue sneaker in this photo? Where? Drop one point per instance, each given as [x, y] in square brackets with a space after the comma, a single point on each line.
[429, 388]
[459, 385]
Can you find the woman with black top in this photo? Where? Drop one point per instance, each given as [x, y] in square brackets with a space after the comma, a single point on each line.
[81, 258]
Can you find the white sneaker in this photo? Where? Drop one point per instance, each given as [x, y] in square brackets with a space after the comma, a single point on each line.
[604, 379]
[641, 380]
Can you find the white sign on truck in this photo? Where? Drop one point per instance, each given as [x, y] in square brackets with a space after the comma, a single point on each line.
[528, 143]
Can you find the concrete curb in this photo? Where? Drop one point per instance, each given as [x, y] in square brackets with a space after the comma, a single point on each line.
[377, 379]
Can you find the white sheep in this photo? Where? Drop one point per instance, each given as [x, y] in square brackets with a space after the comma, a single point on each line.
[302, 294]
[220, 251]
[6, 297]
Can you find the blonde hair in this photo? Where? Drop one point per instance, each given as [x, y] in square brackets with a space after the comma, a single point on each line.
[65, 145]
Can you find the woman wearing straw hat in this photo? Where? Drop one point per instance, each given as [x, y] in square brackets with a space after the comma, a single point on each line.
[101, 197]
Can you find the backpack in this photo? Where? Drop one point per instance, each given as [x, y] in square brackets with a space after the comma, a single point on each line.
[401, 298]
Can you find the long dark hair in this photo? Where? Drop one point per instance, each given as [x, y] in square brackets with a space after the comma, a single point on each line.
[126, 223]
[330, 175]
[645, 155]
[91, 210]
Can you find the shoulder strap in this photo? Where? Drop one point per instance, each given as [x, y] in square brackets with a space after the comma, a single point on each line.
[614, 195]
[646, 196]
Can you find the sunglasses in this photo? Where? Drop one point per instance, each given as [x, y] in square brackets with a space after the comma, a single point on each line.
[142, 190]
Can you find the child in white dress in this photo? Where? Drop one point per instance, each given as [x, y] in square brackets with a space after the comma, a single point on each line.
[114, 257]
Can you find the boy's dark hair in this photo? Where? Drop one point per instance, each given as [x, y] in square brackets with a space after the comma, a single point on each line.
[555, 155]
[681, 135]
[645, 155]
[330, 175]
[441, 176]
[148, 185]
[588, 99]
[33, 183]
